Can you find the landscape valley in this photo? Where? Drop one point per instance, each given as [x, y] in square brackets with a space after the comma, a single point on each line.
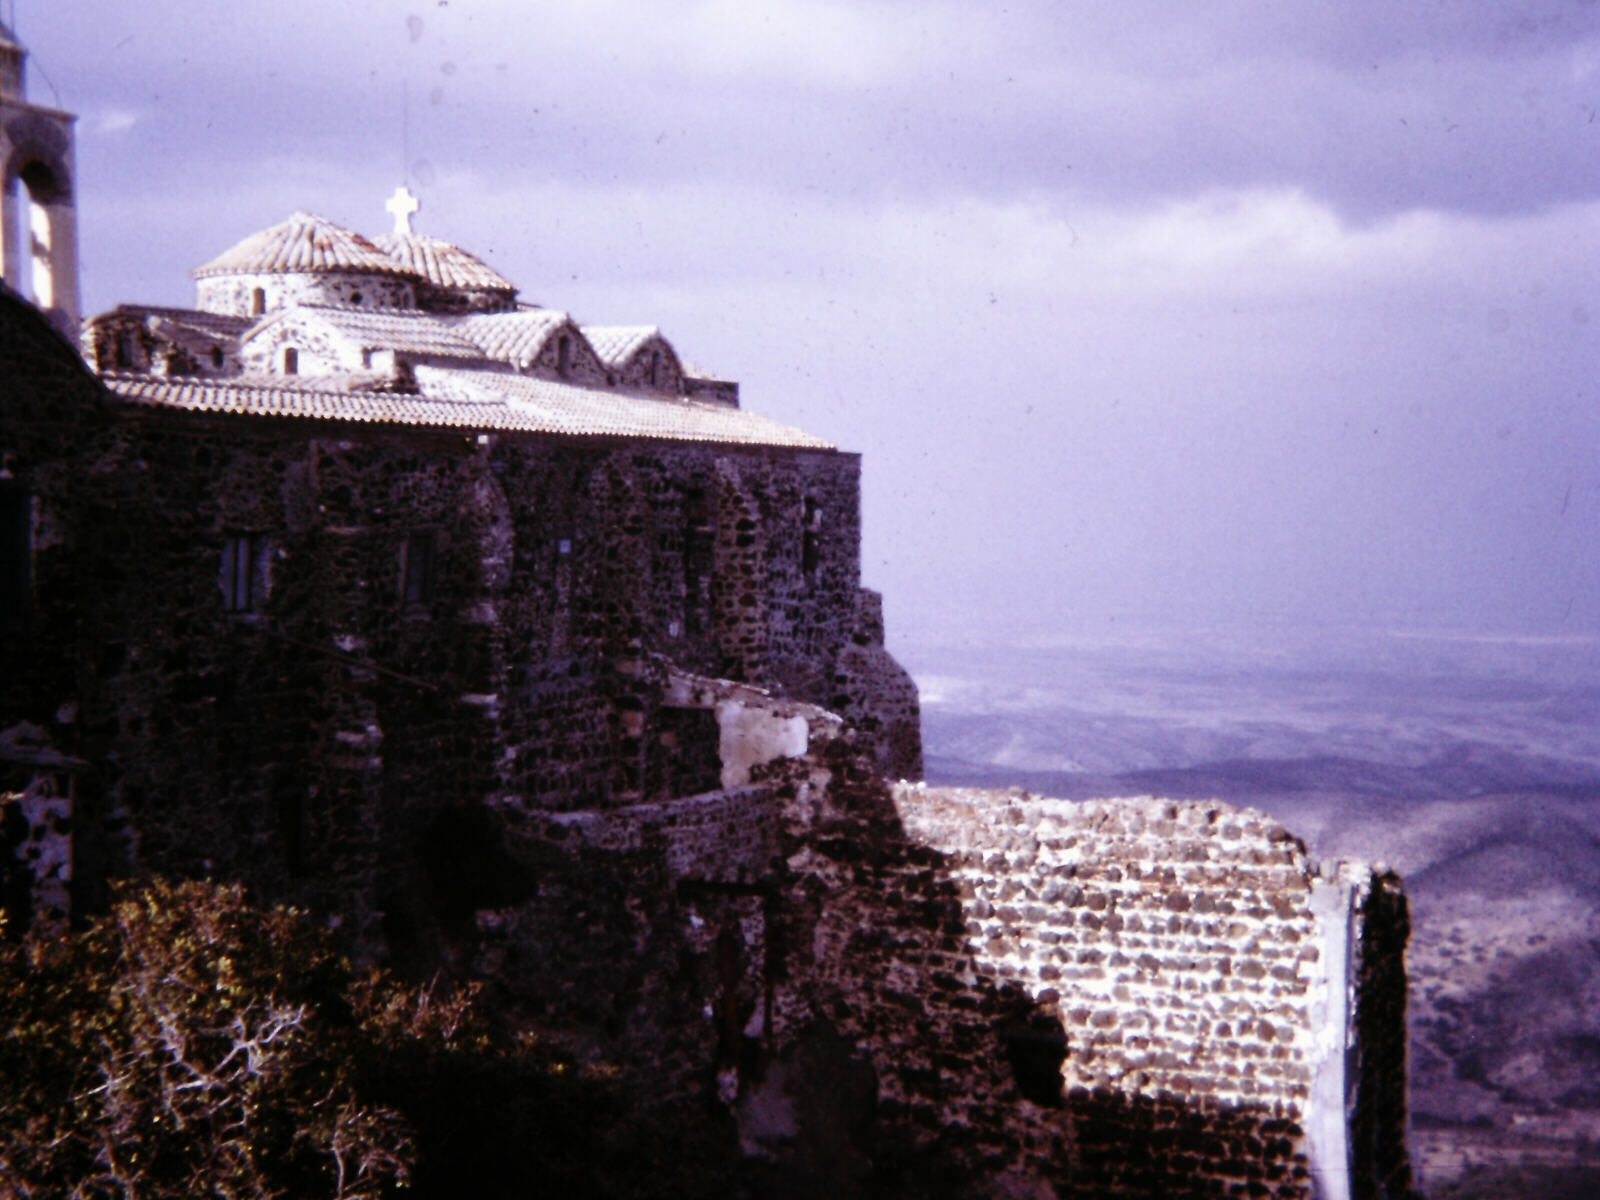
[1469, 763]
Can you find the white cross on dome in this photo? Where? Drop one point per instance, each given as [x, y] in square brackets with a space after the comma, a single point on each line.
[402, 205]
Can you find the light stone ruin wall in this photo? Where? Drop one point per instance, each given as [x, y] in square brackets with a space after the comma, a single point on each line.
[1214, 986]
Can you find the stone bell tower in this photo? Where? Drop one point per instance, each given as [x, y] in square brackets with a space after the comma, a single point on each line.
[38, 199]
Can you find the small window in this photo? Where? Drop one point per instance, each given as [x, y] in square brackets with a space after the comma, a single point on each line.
[216, 357]
[124, 352]
[366, 358]
[291, 361]
[355, 297]
[16, 557]
[417, 568]
[811, 541]
[564, 356]
[240, 577]
[655, 368]
[258, 301]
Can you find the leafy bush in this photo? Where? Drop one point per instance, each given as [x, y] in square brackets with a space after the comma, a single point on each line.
[189, 1044]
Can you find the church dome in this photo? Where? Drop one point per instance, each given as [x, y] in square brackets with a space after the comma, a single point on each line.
[443, 264]
[305, 244]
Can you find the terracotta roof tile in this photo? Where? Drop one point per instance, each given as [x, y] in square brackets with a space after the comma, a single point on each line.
[443, 264]
[503, 402]
[514, 337]
[303, 243]
[404, 330]
[616, 344]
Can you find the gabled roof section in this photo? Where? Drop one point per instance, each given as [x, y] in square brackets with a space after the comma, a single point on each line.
[616, 344]
[304, 244]
[208, 324]
[412, 333]
[484, 402]
[515, 337]
[443, 264]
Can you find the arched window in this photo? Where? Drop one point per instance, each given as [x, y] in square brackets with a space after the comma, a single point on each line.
[655, 368]
[811, 538]
[258, 301]
[291, 361]
[41, 267]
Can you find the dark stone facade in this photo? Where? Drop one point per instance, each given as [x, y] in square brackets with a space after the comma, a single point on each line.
[290, 649]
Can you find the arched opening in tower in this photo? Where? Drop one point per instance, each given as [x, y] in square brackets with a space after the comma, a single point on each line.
[38, 236]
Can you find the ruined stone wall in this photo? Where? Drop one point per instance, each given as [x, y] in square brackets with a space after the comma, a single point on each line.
[1208, 992]
[878, 696]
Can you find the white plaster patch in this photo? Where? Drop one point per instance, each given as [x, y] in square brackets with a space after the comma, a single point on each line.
[752, 736]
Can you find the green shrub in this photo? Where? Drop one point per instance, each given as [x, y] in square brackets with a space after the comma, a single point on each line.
[188, 1044]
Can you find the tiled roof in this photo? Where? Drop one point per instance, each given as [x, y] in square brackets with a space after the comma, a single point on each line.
[403, 330]
[506, 402]
[214, 326]
[615, 344]
[303, 243]
[442, 264]
[515, 337]
[696, 371]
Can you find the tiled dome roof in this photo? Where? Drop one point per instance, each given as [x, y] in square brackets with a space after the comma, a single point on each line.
[443, 264]
[305, 243]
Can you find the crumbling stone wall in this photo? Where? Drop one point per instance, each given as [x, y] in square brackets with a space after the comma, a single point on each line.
[1183, 950]
[36, 809]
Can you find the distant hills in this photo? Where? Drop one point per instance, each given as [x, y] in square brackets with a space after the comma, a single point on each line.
[1472, 766]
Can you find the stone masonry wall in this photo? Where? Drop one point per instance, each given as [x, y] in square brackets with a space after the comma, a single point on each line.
[1179, 946]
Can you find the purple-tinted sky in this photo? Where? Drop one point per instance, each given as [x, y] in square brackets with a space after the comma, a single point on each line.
[1142, 311]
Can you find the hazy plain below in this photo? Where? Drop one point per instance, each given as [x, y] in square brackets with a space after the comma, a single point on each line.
[1469, 762]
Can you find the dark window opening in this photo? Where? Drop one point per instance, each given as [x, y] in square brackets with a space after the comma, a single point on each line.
[1036, 1046]
[355, 297]
[16, 557]
[699, 552]
[366, 358]
[241, 568]
[564, 356]
[811, 541]
[216, 357]
[655, 368]
[258, 301]
[291, 361]
[124, 351]
[417, 568]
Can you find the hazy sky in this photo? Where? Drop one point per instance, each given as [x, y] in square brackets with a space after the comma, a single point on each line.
[1137, 310]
